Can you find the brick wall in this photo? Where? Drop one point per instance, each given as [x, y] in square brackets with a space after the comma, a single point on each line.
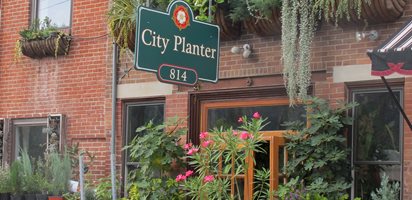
[76, 85]
[79, 84]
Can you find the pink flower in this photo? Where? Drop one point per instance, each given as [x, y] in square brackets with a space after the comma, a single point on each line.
[188, 173]
[244, 135]
[203, 135]
[187, 146]
[209, 178]
[207, 143]
[240, 120]
[256, 115]
[180, 177]
[192, 151]
[235, 133]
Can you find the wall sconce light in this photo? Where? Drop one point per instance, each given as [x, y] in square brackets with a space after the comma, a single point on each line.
[371, 35]
[247, 50]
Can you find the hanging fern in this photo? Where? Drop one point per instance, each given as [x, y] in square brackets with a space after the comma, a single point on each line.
[301, 16]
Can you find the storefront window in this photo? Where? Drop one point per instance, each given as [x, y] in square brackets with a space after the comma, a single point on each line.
[377, 136]
[137, 115]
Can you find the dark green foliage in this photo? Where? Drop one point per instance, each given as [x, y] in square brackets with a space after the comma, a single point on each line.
[5, 180]
[261, 9]
[15, 180]
[318, 156]
[39, 30]
[156, 150]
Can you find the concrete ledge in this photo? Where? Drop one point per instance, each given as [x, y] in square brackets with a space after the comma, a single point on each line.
[139, 90]
[352, 73]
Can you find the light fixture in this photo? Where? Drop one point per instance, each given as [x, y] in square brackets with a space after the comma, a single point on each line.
[247, 50]
[371, 35]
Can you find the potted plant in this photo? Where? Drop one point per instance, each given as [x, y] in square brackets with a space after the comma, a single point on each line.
[60, 173]
[42, 39]
[5, 183]
[15, 181]
[28, 179]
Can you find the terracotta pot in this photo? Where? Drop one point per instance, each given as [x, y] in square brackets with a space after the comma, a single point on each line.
[265, 27]
[229, 30]
[46, 47]
[378, 11]
[55, 198]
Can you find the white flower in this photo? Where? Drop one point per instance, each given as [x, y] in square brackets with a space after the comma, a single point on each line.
[181, 17]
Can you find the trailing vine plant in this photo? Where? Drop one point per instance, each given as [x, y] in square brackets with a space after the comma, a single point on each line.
[299, 21]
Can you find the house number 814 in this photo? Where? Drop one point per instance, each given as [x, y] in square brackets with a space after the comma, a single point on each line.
[177, 74]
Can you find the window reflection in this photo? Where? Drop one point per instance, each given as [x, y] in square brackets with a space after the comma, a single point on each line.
[59, 11]
[277, 115]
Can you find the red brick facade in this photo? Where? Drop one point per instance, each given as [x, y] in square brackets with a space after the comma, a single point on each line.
[79, 85]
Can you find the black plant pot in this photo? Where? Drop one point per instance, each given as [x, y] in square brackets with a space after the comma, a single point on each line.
[30, 197]
[5, 196]
[41, 197]
[17, 197]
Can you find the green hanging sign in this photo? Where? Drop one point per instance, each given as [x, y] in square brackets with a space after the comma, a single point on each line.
[178, 48]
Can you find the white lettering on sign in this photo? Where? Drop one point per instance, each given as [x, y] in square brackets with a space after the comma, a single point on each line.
[155, 41]
[150, 38]
[194, 49]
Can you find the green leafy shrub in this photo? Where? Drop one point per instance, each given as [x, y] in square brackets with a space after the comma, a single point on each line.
[158, 154]
[318, 153]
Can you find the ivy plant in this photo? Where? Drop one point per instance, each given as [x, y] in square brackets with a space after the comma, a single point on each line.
[318, 153]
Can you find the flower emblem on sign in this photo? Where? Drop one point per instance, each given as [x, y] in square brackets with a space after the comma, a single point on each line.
[181, 17]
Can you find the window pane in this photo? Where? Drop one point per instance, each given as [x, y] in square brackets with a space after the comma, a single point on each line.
[59, 11]
[277, 115]
[239, 188]
[139, 115]
[31, 139]
[368, 178]
[376, 127]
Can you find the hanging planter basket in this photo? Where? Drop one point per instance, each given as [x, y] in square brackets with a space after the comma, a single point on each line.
[229, 30]
[265, 27]
[130, 38]
[378, 11]
[56, 44]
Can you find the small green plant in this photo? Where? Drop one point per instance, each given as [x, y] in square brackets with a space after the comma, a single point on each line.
[5, 180]
[39, 30]
[387, 191]
[103, 189]
[318, 153]
[60, 173]
[15, 178]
